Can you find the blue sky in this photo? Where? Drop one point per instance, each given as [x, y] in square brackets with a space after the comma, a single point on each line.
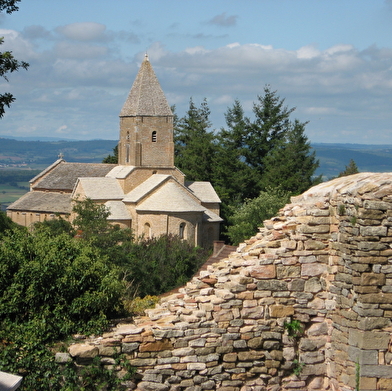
[331, 59]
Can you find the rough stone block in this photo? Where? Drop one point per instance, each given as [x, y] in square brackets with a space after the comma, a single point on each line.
[156, 346]
[382, 384]
[369, 340]
[372, 279]
[83, 351]
[288, 272]
[363, 357]
[379, 371]
[378, 298]
[373, 323]
[313, 269]
[263, 272]
[369, 383]
[281, 311]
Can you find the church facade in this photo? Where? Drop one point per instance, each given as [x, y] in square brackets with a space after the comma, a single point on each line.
[144, 191]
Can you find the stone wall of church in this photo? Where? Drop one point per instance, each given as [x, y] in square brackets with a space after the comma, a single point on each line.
[141, 174]
[28, 218]
[161, 224]
[146, 148]
[324, 264]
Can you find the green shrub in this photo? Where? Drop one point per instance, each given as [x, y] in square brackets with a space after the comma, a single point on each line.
[63, 284]
[160, 264]
[245, 220]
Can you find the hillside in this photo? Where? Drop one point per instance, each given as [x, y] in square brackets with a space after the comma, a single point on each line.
[38, 154]
[334, 157]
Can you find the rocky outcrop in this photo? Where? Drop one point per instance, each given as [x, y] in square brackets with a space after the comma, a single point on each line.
[323, 264]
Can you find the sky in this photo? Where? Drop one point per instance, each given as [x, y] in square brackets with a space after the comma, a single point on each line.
[330, 59]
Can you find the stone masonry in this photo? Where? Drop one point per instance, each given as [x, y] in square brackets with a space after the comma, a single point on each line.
[325, 261]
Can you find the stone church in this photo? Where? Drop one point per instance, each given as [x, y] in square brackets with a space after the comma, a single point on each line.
[144, 191]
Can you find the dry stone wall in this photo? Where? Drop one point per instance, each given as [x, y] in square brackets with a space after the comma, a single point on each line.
[325, 261]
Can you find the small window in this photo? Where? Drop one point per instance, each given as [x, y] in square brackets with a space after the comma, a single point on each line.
[128, 153]
[147, 231]
[181, 232]
[154, 136]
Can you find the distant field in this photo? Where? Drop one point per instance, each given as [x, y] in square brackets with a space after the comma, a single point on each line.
[9, 194]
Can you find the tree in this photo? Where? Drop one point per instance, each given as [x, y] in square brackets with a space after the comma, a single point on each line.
[8, 63]
[5, 223]
[9, 6]
[246, 219]
[266, 131]
[291, 164]
[56, 283]
[51, 287]
[232, 177]
[112, 159]
[350, 169]
[194, 143]
[91, 224]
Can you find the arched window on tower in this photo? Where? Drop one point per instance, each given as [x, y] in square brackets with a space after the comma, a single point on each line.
[181, 232]
[154, 136]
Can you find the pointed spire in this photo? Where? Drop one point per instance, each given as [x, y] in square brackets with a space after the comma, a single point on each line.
[146, 96]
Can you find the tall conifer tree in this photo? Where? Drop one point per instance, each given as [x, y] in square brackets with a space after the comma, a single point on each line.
[194, 143]
[291, 164]
[232, 176]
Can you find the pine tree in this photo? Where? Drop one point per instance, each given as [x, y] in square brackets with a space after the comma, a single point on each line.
[112, 159]
[266, 132]
[195, 143]
[290, 165]
[232, 176]
[350, 169]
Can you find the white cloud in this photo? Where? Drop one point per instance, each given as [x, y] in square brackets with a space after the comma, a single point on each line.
[21, 48]
[308, 52]
[78, 85]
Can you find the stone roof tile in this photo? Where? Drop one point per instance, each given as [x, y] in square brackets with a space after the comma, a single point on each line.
[101, 188]
[40, 201]
[118, 211]
[203, 191]
[146, 187]
[146, 96]
[170, 197]
[64, 175]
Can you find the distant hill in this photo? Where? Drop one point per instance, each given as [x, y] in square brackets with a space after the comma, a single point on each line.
[36, 154]
[335, 157]
[39, 154]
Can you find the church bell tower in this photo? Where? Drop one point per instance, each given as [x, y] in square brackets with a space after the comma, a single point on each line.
[146, 123]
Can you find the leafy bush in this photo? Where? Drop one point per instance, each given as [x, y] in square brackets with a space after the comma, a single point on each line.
[5, 223]
[251, 214]
[160, 264]
[63, 284]
[54, 284]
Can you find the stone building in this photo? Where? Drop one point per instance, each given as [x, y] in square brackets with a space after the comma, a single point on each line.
[145, 191]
